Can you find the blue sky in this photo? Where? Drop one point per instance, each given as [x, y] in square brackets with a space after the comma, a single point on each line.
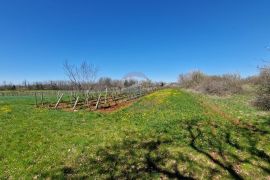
[159, 38]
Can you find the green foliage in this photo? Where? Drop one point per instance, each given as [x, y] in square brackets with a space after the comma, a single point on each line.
[167, 134]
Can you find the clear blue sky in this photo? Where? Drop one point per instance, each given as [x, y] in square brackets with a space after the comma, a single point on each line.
[159, 38]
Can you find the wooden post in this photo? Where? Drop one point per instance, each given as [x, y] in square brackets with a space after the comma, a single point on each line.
[42, 103]
[113, 94]
[98, 101]
[106, 95]
[58, 94]
[75, 104]
[36, 99]
[70, 98]
[91, 95]
[87, 98]
[56, 105]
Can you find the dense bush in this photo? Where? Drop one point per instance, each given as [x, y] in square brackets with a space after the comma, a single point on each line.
[192, 79]
[263, 93]
[216, 85]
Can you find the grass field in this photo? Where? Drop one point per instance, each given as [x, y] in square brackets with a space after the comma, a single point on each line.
[167, 134]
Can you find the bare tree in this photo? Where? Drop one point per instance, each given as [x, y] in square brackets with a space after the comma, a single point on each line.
[82, 77]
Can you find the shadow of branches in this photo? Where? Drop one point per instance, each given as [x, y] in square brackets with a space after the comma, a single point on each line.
[133, 160]
[208, 150]
[218, 143]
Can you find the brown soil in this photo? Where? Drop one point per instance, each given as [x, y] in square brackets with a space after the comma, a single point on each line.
[110, 107]
[116, 107]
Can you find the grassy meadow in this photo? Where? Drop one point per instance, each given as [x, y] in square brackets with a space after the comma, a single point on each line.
[170, 133]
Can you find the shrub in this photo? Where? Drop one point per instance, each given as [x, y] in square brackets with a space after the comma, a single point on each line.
[192, 79]
[222, 85]
[263, 93]
[215, 85]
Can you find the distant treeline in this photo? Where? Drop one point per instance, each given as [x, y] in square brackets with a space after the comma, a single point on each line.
[226, 84]
[102, 83]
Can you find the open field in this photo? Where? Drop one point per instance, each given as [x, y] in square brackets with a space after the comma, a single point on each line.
[170, 133]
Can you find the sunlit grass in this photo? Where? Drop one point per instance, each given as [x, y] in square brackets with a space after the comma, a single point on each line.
[169, 133]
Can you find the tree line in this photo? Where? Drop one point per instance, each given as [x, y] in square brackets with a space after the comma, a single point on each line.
[101, 83]
[80, 77]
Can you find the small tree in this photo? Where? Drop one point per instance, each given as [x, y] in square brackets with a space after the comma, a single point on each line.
[81, 77]
[105, 82]
[130, 82]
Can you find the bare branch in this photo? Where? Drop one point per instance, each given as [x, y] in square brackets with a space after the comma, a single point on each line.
[81, 77]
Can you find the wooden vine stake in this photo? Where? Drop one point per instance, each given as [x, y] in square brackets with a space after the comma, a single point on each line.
[114, 98]
[70, 98]
[36, 99]
[58, 94]
[75, 104]
[98, 101]
[56, 105]
[106, 95]
[87, 101]
[87, 98]
[42, 99]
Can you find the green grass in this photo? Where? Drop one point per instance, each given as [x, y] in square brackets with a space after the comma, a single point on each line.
[168, 134]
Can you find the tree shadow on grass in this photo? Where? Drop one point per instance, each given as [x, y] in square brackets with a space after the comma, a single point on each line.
[250, 134]
[225, 146]
[228, 167]
[132, 160]
[221, 142]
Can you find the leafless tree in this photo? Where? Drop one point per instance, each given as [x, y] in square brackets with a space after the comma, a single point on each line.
[81, 77]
